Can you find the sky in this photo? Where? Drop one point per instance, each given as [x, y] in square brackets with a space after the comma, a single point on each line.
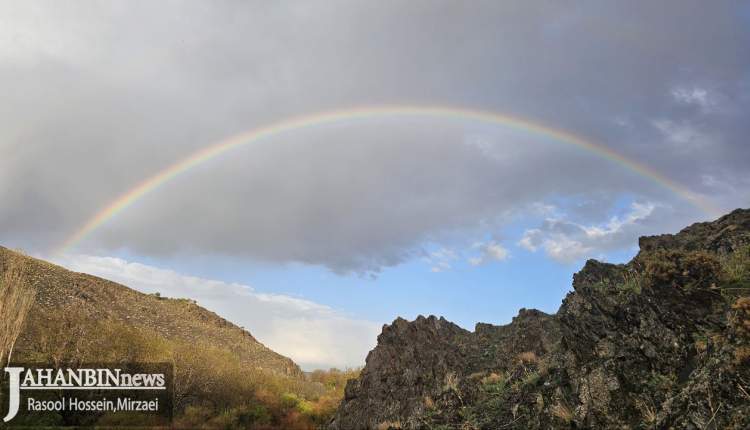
[314, 238]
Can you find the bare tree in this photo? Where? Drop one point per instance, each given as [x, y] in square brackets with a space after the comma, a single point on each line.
[16, 298]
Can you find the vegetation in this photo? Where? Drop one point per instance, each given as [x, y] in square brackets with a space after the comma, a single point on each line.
[528, 357]
[16, 298]
[741, 317]
[531, 378]
[660, 342]
[737, 265]
[213, 388]
[679, 268]
[562, 412]
[632, 282]
[223, 378]
[735, 276]
[494, 383]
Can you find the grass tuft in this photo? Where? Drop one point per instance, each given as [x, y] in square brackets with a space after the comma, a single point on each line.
[562, 412]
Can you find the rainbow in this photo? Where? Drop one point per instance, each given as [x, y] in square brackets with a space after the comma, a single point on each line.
[216, 149]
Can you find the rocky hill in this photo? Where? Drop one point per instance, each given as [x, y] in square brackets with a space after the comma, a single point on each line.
[75, 311]
[660, 342]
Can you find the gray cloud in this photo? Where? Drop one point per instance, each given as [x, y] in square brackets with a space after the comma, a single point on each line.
[99, 96]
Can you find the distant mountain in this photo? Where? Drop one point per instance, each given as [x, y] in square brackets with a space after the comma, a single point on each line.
[73, 309]
[660, 342]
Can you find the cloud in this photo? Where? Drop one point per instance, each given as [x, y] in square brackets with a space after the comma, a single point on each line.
[489, 251]
[440, 260]
[567, 241]
[98, 98]
[313, 335]
[685, 137]
[531, 240]
[694, 96]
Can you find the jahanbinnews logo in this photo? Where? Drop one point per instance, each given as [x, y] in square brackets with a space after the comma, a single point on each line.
[83, 395]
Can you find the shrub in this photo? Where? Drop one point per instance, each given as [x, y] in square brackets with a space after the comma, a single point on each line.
[528, 357]
[193, 417]
[494, 383]
[213, 388]
[493, 378]
[679, 268]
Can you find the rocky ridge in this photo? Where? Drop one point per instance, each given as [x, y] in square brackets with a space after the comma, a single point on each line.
[660, 342]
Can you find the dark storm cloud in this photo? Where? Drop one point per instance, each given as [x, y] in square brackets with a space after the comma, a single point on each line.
[96, 97]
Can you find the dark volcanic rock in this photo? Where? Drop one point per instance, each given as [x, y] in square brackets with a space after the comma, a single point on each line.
[726, 234]
[412, 361]
[660, 342]
[432, 363]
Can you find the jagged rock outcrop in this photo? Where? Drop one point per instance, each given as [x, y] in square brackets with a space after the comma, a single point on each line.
[430, 362]
[660, 342]
[412, 361]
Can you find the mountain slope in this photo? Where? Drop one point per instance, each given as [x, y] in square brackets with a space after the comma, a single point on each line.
[223, 377]
[660, 342]
[76, 306]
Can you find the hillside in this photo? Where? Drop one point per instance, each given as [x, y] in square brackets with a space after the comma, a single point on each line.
[223, 377]
[78, 297]
[660, 342]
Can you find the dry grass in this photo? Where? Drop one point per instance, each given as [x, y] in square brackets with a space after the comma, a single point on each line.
[543, 367]
[648, 412]
[562, 412]
[451, 382]
[388, 425]
[528, 357]
[493, 378]
[741, 355]
[685, 269]
[539, 402]
[476, 376]
[737, 265]
[649, 415]
[16, 298]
